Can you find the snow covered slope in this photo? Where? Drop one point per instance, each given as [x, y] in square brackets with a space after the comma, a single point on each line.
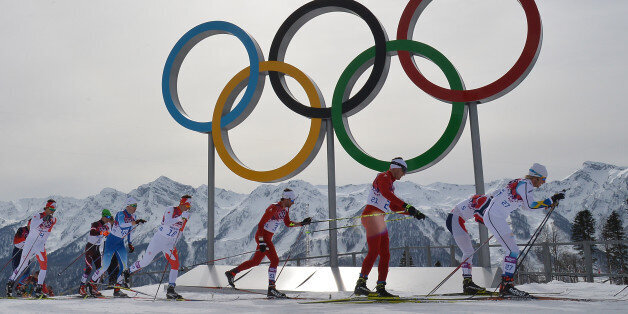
[213, 301]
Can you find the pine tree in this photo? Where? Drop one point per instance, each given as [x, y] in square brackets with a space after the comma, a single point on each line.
[583, 228]
[616, 254]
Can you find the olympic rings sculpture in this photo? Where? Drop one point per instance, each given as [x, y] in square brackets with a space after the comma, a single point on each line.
[252, 78]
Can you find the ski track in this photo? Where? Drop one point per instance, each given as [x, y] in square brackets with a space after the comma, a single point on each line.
[253, 303]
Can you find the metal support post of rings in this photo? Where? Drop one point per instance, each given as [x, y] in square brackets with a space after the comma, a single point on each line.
[342, 107]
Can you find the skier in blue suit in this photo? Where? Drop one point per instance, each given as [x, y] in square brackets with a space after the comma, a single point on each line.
[123, 224]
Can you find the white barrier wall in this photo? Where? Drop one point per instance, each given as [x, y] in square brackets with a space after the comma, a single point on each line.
[415, 280]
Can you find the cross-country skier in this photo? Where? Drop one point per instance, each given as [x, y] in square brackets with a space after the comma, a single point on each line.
[165, 240]
[467, 209]
[98, 231]
[381, 199]
[18, 245]
[123, 224]
[516, 194]
[35, 245]
[275, 214]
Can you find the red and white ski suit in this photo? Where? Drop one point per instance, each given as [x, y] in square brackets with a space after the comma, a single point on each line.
[465, 210]
[381, 199]
[274, 215]
[165, 241]
[35, 245]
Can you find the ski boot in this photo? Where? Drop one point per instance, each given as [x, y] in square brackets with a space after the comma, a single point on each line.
[10, 284]
[230, 276]
[470, 288]
[92, 287]
[38, 293]
[83, 290]
[118, 294]
[274, 294]
[381, 291]
[507, 289]
[361, 288]
[171, 294]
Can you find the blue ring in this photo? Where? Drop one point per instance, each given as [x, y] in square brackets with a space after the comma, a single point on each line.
[199, 33]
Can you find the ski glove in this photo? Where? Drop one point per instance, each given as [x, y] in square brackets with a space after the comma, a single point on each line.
[306, 221]
[557, 197]
[140, 221]
[419, 215]
[413, 211]
[131, 248]
[262, 246]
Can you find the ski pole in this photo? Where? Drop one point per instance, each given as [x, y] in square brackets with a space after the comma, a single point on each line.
[215, 260]
[354, 217]
[10, 259]
[161, 280]
[19, 272]
[454, 271]
[528, 246]
[620, 291]
[535, 235]
[352, 226]
[289, 254]
[168, 262]
[84, 251]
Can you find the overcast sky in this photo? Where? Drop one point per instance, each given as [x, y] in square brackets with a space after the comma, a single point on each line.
[81, 104]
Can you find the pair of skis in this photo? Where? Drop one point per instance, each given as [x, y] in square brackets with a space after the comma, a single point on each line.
[446, 298]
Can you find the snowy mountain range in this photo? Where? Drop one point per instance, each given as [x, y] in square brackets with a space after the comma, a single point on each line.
[599, 187]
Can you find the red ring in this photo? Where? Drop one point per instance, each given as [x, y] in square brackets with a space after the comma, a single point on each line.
[486, 93]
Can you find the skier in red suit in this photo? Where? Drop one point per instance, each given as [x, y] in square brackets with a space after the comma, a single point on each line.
[382, 199]
[275, 215]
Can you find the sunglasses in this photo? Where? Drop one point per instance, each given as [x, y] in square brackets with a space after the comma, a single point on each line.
[52, 209]
[108, 217]
[133, 205]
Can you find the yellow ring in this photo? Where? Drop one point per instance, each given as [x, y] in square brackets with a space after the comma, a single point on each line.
[308, 151]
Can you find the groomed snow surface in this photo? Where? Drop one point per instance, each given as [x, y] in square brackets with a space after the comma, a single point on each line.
[224, 301]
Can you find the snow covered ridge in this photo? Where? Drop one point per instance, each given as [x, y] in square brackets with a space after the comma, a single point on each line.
[599, 187]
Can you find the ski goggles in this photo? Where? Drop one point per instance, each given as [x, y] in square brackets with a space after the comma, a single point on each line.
[185, 202]
[538, 175]
[51, 205]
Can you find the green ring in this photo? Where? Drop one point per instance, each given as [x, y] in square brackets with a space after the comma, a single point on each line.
[445, 143]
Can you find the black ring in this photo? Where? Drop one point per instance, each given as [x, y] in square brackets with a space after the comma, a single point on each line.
[303, 15]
